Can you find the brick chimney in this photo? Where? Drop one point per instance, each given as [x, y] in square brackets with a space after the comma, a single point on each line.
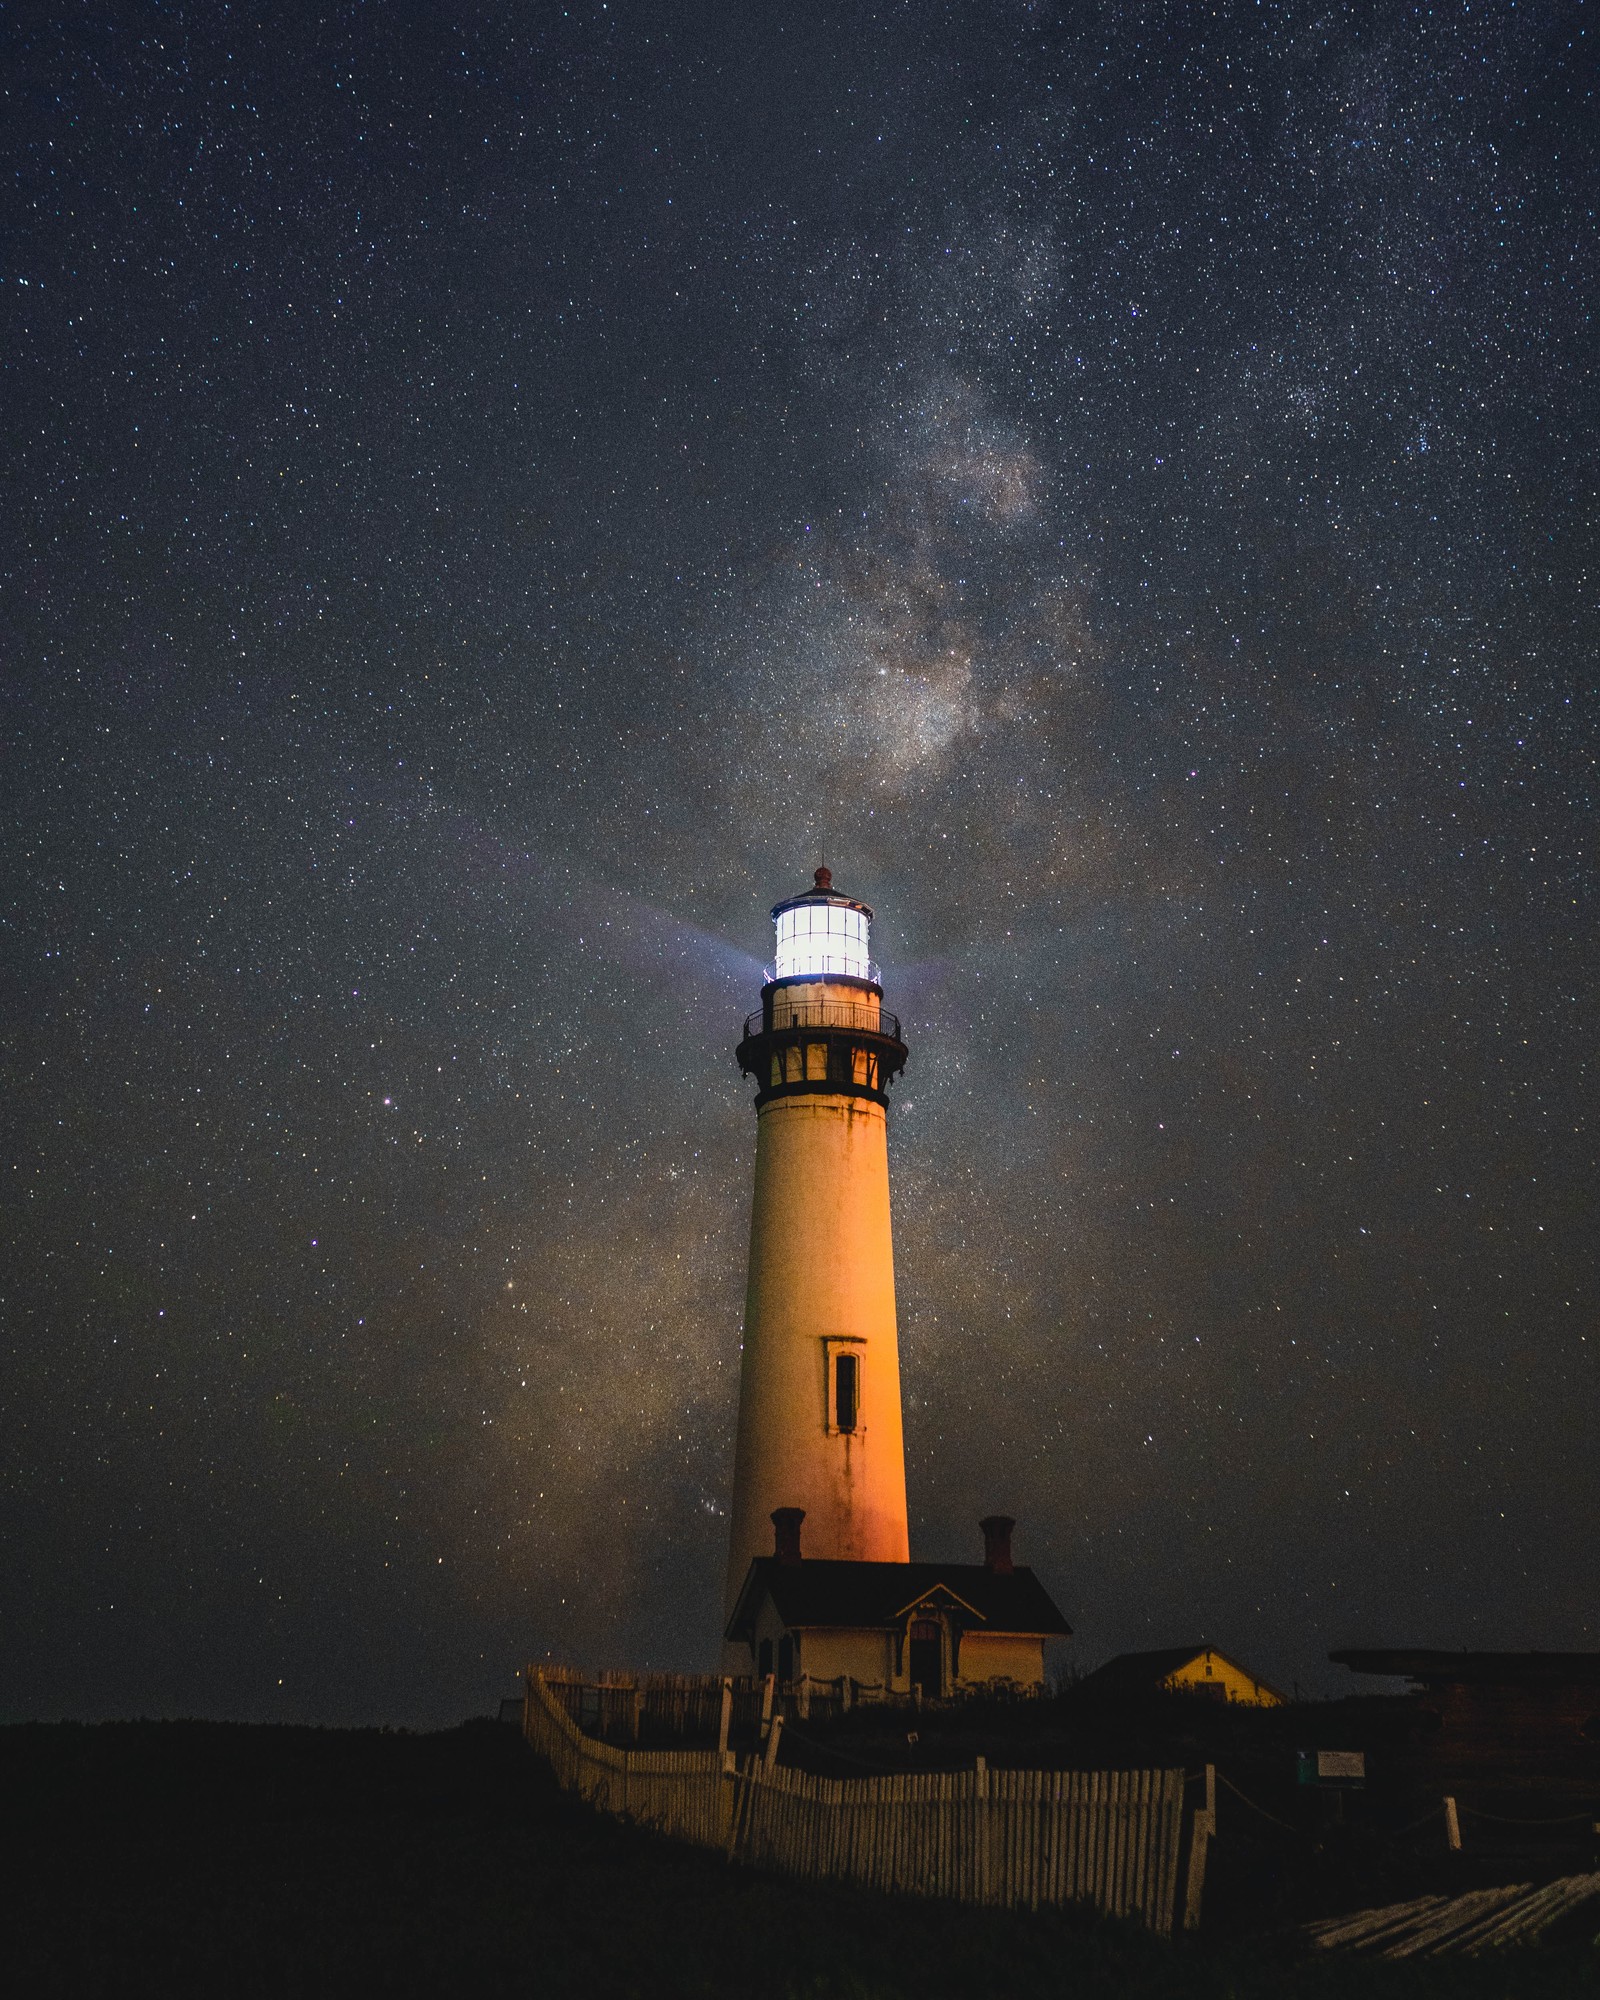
[996, 1543]
[786, 1525]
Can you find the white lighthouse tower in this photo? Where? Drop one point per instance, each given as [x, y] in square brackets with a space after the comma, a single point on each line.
[819, 1386]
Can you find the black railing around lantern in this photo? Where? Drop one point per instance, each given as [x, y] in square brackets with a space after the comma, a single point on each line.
[847, 1014]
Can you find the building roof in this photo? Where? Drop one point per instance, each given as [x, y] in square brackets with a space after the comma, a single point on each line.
[879, 1595]
[1141, 1673]
[1435, 1664]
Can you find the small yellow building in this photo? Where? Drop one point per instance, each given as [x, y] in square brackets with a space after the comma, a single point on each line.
[1197, 1670]
[948, 1628]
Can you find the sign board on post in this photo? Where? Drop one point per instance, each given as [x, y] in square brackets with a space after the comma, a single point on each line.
[1331, 1767]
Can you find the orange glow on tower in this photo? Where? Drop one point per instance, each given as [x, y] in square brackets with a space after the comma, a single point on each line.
[819, 1384]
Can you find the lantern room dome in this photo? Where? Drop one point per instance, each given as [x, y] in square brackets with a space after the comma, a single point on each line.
[823, 934]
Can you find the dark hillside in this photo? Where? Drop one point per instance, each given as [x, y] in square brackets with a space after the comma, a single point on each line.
[190, 1858]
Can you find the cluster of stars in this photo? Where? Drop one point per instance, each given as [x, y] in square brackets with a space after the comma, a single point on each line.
[492, 504]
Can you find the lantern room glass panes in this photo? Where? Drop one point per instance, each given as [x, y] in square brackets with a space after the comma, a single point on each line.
[822, 938]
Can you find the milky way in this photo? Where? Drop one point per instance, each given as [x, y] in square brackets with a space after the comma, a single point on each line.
[490, 503]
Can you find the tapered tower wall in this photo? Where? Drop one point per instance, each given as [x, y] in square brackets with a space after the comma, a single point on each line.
[821, 1285]
[819, 1387]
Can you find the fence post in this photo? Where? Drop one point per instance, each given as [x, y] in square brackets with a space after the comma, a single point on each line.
[980, 1825]
[1202, 1825]
[767, 1687]
[805, 1697]
[1452, 1826]
[725, 1721]
[737, 1803]
[772, 1741]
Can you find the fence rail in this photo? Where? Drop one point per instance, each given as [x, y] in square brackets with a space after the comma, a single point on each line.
[619, 1704]
[623, 1705]
[1015, 1838]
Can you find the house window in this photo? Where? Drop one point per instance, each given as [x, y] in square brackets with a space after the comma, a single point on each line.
[846, 1391]
[786, 1658]
[764, 1659]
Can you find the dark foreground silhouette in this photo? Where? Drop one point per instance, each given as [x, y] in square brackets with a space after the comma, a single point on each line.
[187, 1858]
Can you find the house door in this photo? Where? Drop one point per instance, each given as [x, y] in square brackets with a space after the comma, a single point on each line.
[926, 1665]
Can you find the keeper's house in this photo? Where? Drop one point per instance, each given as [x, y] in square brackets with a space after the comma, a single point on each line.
[1199, 1670]
[948, 1628]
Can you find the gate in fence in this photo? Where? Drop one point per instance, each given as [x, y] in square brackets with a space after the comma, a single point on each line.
[1014, 1838]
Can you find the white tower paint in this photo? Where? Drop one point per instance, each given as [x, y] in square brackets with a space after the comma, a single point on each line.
[819, 1385]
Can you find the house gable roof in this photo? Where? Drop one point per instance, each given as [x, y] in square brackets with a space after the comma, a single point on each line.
[1144, 1673]
[880, 1595]
[940, 1598]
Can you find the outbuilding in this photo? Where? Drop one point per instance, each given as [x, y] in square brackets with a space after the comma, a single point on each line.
[1492, 1713]
[1198, 1670]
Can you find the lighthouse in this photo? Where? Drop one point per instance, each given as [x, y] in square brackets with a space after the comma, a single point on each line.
[821, 1585]
[819, 1385]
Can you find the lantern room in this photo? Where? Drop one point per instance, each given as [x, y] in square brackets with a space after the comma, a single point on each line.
[823, 935]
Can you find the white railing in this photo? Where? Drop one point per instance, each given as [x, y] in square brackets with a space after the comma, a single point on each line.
[824, 967]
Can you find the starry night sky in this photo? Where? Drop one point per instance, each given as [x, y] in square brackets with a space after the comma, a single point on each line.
[490, 501]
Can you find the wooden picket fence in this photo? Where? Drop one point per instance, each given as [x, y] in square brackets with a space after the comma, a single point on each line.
[1014, 1838]
[617, 1703]
[623, 1705]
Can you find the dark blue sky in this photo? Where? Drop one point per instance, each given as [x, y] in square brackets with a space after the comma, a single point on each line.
[488, 500]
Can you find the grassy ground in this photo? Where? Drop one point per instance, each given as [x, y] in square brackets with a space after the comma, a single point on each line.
[188, 1858]
[1286, 1852]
